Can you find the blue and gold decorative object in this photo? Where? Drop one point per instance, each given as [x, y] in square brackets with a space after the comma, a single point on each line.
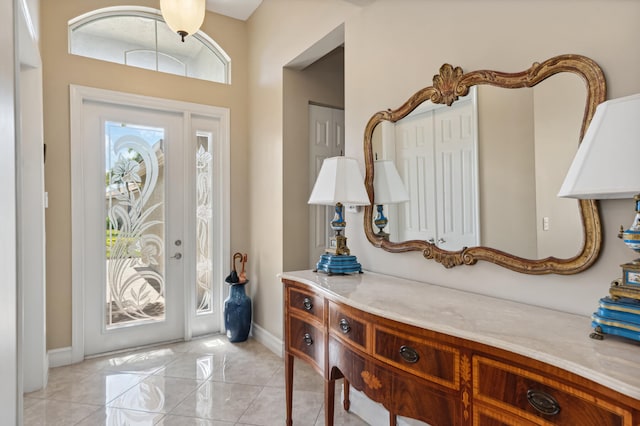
[631, 236]
[619, 313]
[341, 264]
[381, 221]
[619, 317]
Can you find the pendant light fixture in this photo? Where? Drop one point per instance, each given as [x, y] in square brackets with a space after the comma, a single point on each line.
[183, 16]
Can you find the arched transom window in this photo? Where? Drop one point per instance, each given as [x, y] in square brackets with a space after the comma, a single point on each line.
[139, 37]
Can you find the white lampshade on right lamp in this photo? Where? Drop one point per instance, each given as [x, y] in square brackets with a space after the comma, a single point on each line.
[607, 166]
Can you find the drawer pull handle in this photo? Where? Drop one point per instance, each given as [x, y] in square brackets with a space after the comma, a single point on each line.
[308, 305]
[543, 402]
[409, 354]
[344, 326]
[308, 340]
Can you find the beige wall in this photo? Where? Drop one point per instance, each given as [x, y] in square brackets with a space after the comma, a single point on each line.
[506, 170]
[559, 110]
[62, 69]
[392, 48]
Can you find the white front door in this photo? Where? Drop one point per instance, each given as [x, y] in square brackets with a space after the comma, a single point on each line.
[149, 204]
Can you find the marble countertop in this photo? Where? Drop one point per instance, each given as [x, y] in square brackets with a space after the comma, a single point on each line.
[557, 338]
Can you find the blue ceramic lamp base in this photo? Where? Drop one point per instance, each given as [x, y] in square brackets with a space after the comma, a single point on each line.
[338, 264]
[619, 317]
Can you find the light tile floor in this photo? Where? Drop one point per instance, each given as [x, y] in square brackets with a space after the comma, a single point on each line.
[204, 382]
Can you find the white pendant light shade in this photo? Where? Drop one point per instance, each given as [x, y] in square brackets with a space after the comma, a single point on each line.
[339, 181]
[183, 16]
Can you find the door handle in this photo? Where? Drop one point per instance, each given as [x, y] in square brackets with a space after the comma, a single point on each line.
[177, 256]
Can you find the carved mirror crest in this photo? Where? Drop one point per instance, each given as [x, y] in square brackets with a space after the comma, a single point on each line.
[536, 224]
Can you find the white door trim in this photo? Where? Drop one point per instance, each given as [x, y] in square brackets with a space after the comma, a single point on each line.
[80, 94]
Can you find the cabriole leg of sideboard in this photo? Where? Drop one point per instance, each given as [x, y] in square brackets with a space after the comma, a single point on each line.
[288, 366]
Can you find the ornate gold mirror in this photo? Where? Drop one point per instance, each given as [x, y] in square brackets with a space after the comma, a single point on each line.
[482, 164]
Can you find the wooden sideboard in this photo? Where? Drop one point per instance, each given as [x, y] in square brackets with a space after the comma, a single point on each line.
[448, 357]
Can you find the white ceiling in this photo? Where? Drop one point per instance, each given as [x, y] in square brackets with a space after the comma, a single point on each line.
[239, 9]
[242, 9]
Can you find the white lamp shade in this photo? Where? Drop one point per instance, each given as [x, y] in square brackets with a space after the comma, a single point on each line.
[183, 15]
[339, 181]
[387, 184]
[607, 162]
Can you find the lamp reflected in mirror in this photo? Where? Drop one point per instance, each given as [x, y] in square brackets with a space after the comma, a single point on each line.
[605, 167]
[388, 188]
[339, 182]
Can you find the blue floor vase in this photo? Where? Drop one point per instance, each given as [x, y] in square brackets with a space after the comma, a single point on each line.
[237, 313]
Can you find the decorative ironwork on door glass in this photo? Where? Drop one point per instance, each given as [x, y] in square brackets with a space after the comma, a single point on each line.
[204, 219]
[135, 218]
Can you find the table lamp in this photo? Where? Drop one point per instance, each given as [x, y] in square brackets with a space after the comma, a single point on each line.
[606, 167]
[339, 182]
[387, 189]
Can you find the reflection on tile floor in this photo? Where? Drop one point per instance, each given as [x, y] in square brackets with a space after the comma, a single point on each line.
[205, 382]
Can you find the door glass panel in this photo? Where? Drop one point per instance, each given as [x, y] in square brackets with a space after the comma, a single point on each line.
[204, 222]
[135, 218]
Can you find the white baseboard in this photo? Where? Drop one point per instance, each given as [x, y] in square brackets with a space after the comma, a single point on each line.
[59, 357]
[270, 341]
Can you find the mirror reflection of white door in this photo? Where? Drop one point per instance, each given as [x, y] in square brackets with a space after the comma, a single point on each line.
[436, 155]
[151, 256]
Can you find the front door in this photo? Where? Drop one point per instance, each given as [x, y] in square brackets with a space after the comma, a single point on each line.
[149, 236]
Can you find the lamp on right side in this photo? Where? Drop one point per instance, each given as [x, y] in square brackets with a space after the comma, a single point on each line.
[388, 189]
[606, 167]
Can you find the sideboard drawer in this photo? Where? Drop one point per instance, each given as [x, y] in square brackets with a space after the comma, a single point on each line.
[540, 398]
[307, 302]
[306, 341]
[433, 361]
[345, 324]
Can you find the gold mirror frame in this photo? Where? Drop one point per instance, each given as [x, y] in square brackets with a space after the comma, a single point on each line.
[452, 83]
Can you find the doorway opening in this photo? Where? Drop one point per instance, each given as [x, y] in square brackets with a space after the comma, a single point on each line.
[316, 77]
